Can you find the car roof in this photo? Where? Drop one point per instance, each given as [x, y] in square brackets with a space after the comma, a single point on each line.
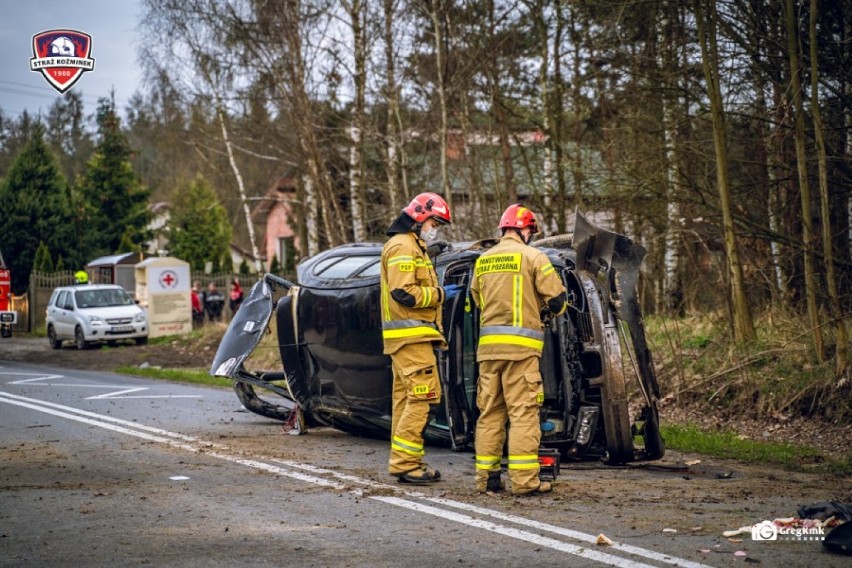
[76, 287]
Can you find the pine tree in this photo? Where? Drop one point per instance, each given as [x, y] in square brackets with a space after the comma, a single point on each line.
[42, 262]
[113, 198]
[35, 208]
[127, 244]
[275, 266]
[198, 231]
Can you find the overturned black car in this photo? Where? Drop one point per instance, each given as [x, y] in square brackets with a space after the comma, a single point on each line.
[334, 373]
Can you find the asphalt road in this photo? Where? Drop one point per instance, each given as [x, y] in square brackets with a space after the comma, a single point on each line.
[99, 469]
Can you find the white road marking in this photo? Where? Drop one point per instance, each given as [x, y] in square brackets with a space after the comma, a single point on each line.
[116, 394]
[195, 445]
[37, 378]
[577, 535]
[581, 551]
[119, 394]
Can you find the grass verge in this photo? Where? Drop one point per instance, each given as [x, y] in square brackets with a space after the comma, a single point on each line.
[197, 377]
[728, 444]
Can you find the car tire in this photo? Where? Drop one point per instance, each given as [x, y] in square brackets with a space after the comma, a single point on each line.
[141, 340]
[80, 339]
[55, 342]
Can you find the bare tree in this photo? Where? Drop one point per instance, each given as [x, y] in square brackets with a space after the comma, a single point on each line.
[825, 216]
[188, 23]
[394, 146]
[804, 185]
[706, 16]
[356, 10]
[437, 14]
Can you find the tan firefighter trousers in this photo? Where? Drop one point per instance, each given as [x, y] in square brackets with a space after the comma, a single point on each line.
[509, 390]
[416, 387]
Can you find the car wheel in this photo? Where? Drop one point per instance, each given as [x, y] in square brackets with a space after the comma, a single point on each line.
[55, 342]
[141, 340]
[80, 339]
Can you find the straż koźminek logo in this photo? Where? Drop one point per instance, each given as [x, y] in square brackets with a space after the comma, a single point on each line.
[62, 56]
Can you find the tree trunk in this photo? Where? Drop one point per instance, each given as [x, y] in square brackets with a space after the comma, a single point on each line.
[357, 202]
[804, 187]
[311, 217]
[240, 185]
[436, 13]
[835, 308]
[577, 176]
[743, 324]
[558, 112]
[494, 87]
[668, 65]
[392, 98]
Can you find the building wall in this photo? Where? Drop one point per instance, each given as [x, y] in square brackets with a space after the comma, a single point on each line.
[277, 227]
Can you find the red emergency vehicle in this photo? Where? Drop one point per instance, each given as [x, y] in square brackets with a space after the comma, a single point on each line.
[8, 317]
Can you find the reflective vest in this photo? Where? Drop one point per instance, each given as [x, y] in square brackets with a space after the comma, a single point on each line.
[411, 298]
[512, 283]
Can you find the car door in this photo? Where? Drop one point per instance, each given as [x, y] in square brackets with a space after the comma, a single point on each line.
[457, 365]
[63, 315]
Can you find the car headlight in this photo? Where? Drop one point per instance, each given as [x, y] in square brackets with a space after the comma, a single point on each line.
[96, 319]
[140, 317]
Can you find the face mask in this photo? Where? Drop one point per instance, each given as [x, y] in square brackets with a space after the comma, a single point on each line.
[430, 234]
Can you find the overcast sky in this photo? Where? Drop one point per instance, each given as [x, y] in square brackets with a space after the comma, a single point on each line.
[112, 25]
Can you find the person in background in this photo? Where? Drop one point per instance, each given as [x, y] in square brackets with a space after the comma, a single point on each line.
[411, 302]
[214, 301]
[514, 285]
[80, 277]
[236, 296]
[197, 306]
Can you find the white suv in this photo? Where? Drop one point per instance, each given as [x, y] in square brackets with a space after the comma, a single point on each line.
[89, 313]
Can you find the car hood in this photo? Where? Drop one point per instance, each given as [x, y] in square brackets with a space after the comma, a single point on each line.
[111, 312]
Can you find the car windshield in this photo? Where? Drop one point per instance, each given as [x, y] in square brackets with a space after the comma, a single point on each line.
[346, 267]
[102, 298]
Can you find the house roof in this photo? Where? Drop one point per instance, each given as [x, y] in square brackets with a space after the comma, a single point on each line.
[112, 260]
[282, 190]
[246, 253]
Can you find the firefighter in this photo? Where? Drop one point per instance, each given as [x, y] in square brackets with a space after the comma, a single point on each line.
[514, 284]
[411, 302]
[80, 277]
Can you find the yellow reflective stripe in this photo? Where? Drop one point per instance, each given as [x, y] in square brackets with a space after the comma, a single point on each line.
[405, 446]
[547, 269]
[386, 302]
[517, 300]
[498, 339]
[529, 461]
[398, 259]
[411, 332]
[490, 463]
[427, 295]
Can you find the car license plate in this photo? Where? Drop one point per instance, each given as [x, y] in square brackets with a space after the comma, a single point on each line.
[122, 329]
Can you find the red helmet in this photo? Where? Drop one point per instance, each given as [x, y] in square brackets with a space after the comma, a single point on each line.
[518, 217]
[428, 205]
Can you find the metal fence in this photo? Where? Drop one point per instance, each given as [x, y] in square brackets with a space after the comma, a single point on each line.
[41, 287]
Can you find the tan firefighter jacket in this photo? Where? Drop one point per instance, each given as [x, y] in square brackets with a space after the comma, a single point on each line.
[512, 284]
[411, 297]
